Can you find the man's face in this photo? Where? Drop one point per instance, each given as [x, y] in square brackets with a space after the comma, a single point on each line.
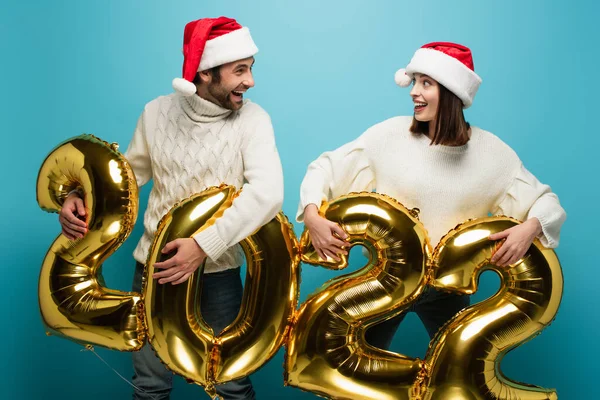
[229, 87]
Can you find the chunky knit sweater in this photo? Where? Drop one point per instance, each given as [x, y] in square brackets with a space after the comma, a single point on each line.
[187, 144]
[448, 184]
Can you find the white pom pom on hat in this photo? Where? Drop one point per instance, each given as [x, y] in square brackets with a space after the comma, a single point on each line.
[402, 79]
[184, 87]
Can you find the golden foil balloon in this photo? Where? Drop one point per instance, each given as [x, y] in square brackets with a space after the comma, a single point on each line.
[176, 330]
[326, 351]
[463, 361]
[73, 300]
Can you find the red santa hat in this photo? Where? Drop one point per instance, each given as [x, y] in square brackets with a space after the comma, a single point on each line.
[450, 64]
[208, 43]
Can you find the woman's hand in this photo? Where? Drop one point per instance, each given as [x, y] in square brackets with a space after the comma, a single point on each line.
[328, 238]
[517, 241]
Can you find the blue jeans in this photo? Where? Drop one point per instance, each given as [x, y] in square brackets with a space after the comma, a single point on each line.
[221, 300]
[434, 308]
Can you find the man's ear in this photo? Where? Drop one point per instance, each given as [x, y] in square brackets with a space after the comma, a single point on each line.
[205, 76]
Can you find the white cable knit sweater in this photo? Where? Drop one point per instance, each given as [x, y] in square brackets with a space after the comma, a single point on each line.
[187, 144]
[448, 184]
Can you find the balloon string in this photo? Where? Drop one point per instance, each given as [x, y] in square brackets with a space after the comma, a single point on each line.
[91, 348]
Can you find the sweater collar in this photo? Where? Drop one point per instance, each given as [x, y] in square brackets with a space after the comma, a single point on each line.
[425, 142]
[201, 110]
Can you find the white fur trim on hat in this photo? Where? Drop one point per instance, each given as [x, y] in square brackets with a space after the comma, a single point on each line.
[223, 49]
[448, 71]
[184, 87]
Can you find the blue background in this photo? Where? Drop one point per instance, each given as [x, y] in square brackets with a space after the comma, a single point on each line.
[324, 73]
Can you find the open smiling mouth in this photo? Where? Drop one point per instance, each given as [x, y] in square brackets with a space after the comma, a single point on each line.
[420, 106]
[237, 96]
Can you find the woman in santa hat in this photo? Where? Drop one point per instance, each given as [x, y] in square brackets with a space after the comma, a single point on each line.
[437, 162]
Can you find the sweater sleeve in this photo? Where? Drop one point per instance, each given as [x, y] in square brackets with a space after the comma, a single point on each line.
[335, 173]
[261, 196]
[138, 154]
[526, 198]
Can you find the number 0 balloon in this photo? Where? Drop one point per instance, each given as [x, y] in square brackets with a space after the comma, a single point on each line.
[179, 335]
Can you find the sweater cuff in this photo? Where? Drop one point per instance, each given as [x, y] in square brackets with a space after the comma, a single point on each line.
[211, 243]
[545, 236]
[78, 191]
[316, 200]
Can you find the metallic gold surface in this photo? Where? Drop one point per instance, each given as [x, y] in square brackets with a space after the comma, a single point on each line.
[463, 360]
[326, 351]
[73, 300]
[176, 330]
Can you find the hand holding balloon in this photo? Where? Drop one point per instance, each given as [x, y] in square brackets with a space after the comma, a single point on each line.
[518, 240]
[177, 269]
[327, 237]
[72, 217]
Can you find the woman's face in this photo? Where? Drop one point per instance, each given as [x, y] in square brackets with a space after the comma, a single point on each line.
[425, 93]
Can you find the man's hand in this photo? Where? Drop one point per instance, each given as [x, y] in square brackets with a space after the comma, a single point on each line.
[72, 217]
[518, 240]
[177, 269]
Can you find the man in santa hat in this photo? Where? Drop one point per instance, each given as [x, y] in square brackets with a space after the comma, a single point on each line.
[201, 136]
